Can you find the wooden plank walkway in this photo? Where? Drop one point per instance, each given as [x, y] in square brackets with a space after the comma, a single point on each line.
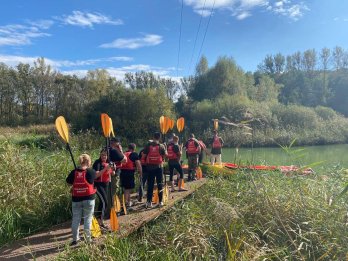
[48, 244]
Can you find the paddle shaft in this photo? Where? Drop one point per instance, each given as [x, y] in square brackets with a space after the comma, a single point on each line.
[72, 157]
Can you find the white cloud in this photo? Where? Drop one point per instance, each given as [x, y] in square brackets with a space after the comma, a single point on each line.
[287, 8]
[119, 72]
[42, 24]
[82, 19]
[12, 60]
[242, 9]
[17, 35]
[134, 43]
[243, 15]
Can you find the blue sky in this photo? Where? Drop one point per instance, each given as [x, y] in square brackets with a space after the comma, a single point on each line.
[132, 35]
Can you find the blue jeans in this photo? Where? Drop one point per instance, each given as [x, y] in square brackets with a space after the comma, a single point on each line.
[83, 209]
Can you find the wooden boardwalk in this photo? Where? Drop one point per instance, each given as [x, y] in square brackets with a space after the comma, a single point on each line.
[46, 245]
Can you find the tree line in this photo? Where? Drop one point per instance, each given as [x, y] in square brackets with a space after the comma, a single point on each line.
[300, 95]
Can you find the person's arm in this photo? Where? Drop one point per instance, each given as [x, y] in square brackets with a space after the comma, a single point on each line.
[101, 172]
[71, 177]
[139, 168]
[116, 155]
[222, 142]
[163, 151]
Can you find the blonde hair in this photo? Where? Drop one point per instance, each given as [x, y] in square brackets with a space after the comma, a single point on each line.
[85, 159]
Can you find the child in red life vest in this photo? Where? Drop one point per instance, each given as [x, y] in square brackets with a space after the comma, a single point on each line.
[102, 184]
[174, 155]
[216, 146]
[193, 149]
[83, 197]
[128, 171]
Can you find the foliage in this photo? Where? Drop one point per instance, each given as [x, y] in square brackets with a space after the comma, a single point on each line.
[241, 216]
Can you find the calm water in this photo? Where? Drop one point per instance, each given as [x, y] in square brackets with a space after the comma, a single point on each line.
[331, 154]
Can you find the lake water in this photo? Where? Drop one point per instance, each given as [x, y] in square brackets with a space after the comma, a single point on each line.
[331, 154]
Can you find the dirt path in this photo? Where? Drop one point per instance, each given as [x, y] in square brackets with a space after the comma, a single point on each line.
[48, 244]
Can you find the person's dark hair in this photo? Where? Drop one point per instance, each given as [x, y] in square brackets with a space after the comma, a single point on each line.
[132, 146]
[103, 150]
[192, 135]
[215, 131]
[157, 135]
[114, 140]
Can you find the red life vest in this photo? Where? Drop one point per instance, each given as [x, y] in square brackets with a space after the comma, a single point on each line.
[154, 157]
[81, 188]
[216, 143]
[143, 159]
[129, 165]
[171, 153]
[191, 147]
[105, 177]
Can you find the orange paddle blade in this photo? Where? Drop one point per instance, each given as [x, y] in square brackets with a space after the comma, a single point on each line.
[180, 123]
[155, 198]
[167, 124]
[62, 128]
[171, 124]
[114, 225]
[105, 121]
[162, 124]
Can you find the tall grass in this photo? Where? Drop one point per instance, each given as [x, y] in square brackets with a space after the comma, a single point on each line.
[33, 192]
[242, 216]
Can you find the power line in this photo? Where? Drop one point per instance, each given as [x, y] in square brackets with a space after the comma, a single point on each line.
[206, 29]
[177, 66]
[194, 46]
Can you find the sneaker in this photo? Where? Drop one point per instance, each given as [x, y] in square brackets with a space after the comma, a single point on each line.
[130, 204]
[161, 204]
[148, 205]
[74, 243]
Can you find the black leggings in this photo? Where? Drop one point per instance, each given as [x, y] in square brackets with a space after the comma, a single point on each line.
[175, 165]
[152, 174]
[102, 188]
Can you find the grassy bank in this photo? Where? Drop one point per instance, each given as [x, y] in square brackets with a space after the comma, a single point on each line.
[244, 216]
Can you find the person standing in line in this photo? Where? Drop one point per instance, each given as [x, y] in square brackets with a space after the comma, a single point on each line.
[83, 197]
[128, 171]
[174, 155]
[143, 178]
[117, 157]
[154, 153]
[102, 184]
[216, 147]
[193, 149]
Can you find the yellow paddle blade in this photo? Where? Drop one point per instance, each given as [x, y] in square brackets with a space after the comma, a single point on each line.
[117, 203]
[62, 128]
[216, 124]
[114, 225]
[95, 229]
[105, 124]
[162, 124]
[124, 205]
[165, 194]
[111, 129]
